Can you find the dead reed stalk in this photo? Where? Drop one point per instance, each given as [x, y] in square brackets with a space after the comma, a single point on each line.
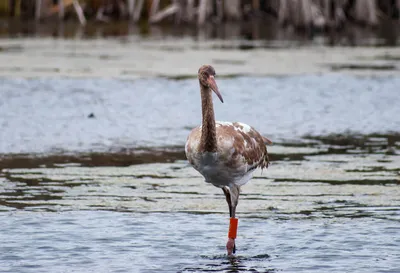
[306, 14]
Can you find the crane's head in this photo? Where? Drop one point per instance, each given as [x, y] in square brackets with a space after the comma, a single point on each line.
[206, 76]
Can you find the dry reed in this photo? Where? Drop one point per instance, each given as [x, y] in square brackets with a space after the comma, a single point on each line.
[298, 13]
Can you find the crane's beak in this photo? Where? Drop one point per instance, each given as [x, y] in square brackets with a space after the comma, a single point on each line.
[214, 87]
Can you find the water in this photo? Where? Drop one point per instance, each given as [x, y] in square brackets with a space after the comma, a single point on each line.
[40, 115]
[326, 212]
[93, 176]
[96, 241]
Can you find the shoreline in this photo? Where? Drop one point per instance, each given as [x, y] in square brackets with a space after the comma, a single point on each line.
[116, 58]
[287, 150]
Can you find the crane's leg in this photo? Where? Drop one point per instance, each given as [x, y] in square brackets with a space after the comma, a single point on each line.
[228, 199]
[232, 198]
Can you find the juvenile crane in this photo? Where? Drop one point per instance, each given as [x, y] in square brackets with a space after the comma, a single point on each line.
[225, 153]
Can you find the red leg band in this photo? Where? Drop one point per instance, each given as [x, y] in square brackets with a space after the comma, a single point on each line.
[233, 225]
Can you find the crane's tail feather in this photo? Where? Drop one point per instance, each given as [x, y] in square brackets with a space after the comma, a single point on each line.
[266, 140]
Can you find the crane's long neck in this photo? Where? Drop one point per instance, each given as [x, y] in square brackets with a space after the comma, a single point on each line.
[208, 141]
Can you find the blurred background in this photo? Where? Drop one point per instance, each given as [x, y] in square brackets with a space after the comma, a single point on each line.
[98, 97]
[338, 22]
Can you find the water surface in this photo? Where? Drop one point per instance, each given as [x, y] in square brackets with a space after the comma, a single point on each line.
[93, 176]
[315, 209]
[95, 241]
[40, 115]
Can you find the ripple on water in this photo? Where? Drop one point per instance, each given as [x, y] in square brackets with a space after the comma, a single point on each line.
[319, 105]
[324, 185]
[94, 241]
[327, 203]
